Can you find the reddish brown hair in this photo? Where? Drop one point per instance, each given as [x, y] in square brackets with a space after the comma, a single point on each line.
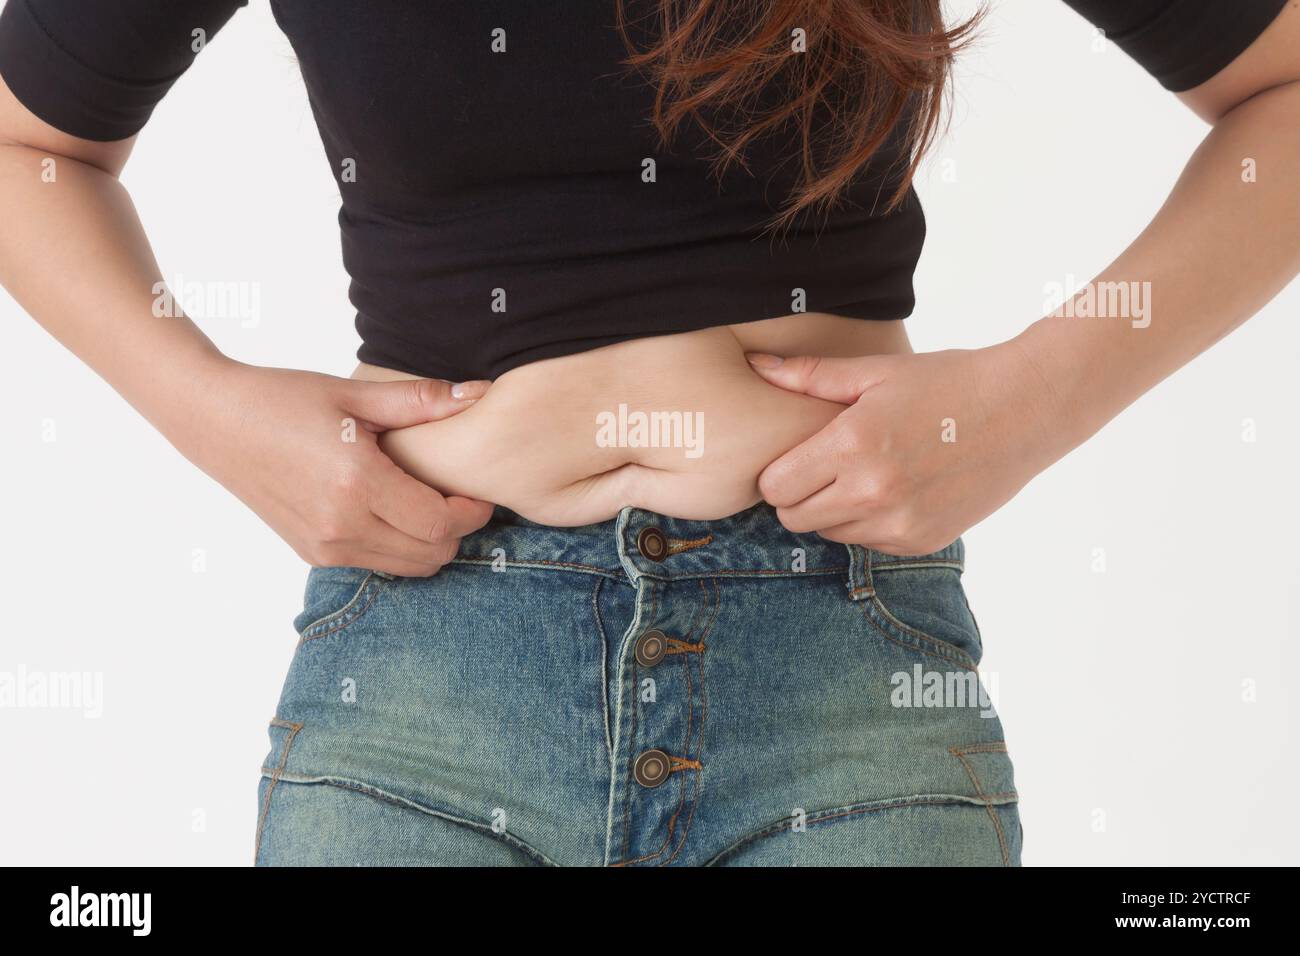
[872, 69]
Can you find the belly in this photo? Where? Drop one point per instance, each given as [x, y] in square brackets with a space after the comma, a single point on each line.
[679, 424]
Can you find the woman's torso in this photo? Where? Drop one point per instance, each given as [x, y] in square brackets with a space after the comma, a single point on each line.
[551, 442]
[506, 198]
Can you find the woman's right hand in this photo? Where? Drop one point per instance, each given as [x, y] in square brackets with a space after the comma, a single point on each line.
[300, 449]
[278, 439]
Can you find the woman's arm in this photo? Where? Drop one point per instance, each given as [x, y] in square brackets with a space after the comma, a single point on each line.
[934, 443]
[1225, 242]
[74, 255]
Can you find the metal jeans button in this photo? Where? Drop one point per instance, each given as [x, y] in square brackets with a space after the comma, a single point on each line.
[651, 768]
[650, 648]
[652, 544]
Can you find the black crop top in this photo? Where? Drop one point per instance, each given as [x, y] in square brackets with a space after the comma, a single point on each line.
[492, 160]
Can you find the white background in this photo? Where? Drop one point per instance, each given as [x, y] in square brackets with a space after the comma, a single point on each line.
[1123, 691]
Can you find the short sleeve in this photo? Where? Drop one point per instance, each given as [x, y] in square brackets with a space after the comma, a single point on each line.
[97, 68]
[1182, 43]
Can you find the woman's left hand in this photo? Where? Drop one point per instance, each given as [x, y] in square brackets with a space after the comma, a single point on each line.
[931, 444]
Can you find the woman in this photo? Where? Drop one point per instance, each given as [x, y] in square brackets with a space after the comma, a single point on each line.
[672, 574]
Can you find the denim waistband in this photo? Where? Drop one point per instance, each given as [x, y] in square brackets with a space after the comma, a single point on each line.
[641, 544]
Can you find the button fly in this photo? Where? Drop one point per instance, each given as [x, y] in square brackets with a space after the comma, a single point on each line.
[650, 648]
[652, 543]
[651, 768]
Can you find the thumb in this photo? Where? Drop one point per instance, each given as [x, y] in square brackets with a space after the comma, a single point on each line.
[840, 380]
[384, 405]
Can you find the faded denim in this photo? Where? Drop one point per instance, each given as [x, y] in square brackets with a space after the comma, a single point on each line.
[491, 715]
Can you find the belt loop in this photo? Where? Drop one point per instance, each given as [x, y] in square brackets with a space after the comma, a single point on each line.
[859, 583]
[622, 526]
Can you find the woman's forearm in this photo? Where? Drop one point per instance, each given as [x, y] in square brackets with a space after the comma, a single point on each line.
[74, 255]
[934, 443]
[1225, 242]
[296, 447]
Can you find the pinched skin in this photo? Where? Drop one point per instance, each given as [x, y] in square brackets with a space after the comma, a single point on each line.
[531, 444]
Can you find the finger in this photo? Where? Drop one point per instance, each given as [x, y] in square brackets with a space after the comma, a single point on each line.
[802, 471]
[384, 405]
[826, 508]
[868, 534]
[852, 532]
[468, 514]
[840, 380]
[380, 537]
[411, 506]
[375, 561]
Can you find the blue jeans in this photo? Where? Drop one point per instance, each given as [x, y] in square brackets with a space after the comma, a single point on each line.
[642, 692]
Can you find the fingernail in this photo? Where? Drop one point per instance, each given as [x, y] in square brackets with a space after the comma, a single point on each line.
[763, 360]
[468, 391]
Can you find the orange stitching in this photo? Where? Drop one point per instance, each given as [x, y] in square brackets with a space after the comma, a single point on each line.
[681, 802]
[683, 763]
[704, 715]
[675, 646]
[690, 714]
[672, 823]
[275, 778]
[678, 545]
[960, 754]
[675, 764]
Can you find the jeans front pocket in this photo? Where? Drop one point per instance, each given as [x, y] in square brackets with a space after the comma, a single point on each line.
[337, 597]
[919, 603]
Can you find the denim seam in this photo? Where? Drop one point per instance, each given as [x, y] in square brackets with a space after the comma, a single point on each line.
[541, 564]
[633, 628]
[636, 716]
[275, 776]
[994, 747]
[979, 636]
[635, 698]
[704, 716]
[891, 565]
[942, 649]
[604, 669]
[837, 813]
[677, 763]
[369, 790]
[370, 588]
[706, 574]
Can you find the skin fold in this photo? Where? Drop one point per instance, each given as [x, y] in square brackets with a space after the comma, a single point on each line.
[531, 443]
